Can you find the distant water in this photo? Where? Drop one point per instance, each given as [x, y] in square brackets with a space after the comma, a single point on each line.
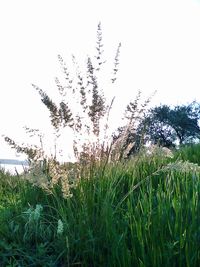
[13, 169]
[13, 166]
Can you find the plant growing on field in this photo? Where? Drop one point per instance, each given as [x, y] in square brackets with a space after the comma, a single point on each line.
[82, 106]
[84, 110]
[130, 138]
[148, 205]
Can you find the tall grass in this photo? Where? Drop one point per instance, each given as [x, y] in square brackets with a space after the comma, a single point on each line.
[142, 212]
[189, 152]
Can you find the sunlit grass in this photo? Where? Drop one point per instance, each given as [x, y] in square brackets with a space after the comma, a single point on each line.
[142, 212]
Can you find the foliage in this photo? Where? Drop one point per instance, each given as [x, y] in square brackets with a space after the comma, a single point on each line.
[82, 108]
[168, 125]
[164, 126]
[143, 212]
[189, 152]
[101, 212]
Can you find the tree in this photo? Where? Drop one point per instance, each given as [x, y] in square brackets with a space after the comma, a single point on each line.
[162, 125]
[167, 126]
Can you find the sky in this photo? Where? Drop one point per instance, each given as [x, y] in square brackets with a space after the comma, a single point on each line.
[160, 51]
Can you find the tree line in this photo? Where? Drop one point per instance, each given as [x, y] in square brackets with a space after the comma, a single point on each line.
[164, 125]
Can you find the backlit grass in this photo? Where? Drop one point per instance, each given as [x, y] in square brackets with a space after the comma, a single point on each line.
[142, 212]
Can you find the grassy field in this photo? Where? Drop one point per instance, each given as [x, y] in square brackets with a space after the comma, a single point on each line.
[144, 212]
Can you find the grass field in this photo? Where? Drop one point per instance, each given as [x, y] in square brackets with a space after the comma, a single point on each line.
[143, 212]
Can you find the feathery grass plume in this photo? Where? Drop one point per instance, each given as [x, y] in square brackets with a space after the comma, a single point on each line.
[99, 48]
[33, 152]
[82, 107]
[49, 173]
[182, 166]
[58, 115]
[97, 107]
[128, 138]
[33, 214]
[60, 227]
[116, 63]
[155, 150]
[37, 212]
[87, 109]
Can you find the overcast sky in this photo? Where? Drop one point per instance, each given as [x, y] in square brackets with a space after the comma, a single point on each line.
[160, 51]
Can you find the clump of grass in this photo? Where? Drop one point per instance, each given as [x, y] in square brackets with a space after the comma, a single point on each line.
[141, 212]
[189, 152]
[83, 109]
[104, 209]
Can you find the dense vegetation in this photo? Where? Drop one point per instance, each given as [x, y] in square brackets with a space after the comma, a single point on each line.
[143, 212]
[165, 126]
[119, 204]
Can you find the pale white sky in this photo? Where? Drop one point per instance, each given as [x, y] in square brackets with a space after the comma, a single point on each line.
[160, 51]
